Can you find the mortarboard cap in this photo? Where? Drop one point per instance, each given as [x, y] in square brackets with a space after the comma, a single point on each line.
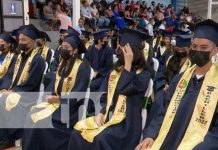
[75, 42]
[44, 36]
[72, 31]
[207, 29]
[100, 34]
[183, 40]
[30, 31]
[133, 37]
[7, 38]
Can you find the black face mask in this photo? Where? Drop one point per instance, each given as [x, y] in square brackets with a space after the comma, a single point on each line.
[65, 54]
[162, 43]
[105, 44]
[200, 58]
[2, 47]
[39, 44]
[23, 47]
[180, 54]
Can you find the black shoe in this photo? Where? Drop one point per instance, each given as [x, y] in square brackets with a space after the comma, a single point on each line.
[6, 144]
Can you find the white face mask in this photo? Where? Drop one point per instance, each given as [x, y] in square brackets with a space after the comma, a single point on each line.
[173, 42]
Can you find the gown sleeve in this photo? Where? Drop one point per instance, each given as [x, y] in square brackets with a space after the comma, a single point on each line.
[35, 76]
[153, 129]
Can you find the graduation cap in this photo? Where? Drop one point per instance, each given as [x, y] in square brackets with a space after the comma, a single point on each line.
[86, 34]
[133, 37]
[130, 22]
[76, 42]
[183, 40]
[100, 34]
[72, 31]
[30, 31]
[44, 36]
[7, 38]
[177, 32]
[207, 29]
[15, 32]
[62, 31]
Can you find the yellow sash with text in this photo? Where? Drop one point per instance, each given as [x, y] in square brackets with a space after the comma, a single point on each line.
[68, 85]
[6, 63]
[203, 112]
[13, 98]
[44, 52]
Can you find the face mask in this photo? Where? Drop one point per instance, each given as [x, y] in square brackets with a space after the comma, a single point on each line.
[162, 43]
[65, 54]
[105, 44]
[39, 44]
[2, 47]
[180, 54]
[23, 47]
[200, 58]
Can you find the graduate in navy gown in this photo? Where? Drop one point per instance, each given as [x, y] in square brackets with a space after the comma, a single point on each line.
[16, 100]
[44, 50]
[72, 68]
[7, 46]
[164, 51]
[100, 57]
[176, 64]
[186, 122]
[129, 88]
[57, 55]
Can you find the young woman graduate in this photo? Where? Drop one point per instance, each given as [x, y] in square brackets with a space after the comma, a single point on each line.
[7, 48]
[124, 90]
[190, 118]
[17, 99]
[177, 63]
[72, 75]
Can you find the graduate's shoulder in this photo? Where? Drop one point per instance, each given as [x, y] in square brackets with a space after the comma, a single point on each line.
[85, 66]
[38, 59]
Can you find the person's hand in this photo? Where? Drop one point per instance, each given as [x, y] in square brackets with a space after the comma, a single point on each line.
[166, 88]
[128, 56]
[53, 99]
[145, 144]
[99, 119]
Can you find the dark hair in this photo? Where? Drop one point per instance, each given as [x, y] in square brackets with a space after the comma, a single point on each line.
[173, 67]
[139, 61]
[69, 68]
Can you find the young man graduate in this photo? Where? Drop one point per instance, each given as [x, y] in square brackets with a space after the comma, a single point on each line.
[16, 101]
[100, 57]
[44, 50]
[190, 119]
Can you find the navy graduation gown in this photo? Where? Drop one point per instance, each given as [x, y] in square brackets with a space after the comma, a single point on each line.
[16, 117]
[182, 118]
[37, 139]
[6, 81]
[125, 135]
[102, 62]
[163, 58]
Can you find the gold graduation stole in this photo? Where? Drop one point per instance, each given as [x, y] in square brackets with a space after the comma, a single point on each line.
[203, 112]
[187, 64]
[44, 52]
[6, 63]
[13, 99]
[87, 45]
[146, 51]
[68, 85]
[88, 127]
